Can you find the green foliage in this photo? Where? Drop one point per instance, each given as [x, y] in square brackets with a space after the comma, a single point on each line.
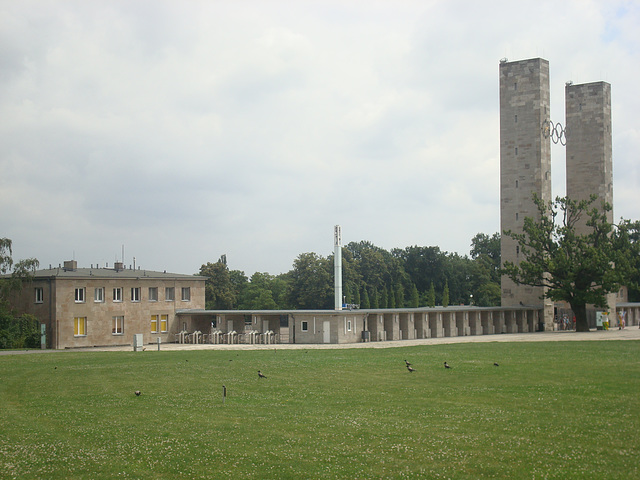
[366, 303]
[375, 298]
[399, 295]
[389, 279]
[414, 300]
[311, 285]
[445, 294]
[431, 296]
[574, 267]
[384, 298]
[348, 413]
[220, 291]
[18, 332]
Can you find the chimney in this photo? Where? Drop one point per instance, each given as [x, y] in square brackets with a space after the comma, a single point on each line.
[70, 265]
[117, 266]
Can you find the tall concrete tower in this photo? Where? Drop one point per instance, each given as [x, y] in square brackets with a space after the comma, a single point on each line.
[589, 150]
[525, 160]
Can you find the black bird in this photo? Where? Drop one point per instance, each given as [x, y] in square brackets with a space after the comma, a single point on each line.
[495, 364]
[138, 392]
[261, 375]
[446, 365]
[408, 364]
[410, 369]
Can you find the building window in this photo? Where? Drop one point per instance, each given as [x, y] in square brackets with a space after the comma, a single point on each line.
[170, 294]
[348, 325]
[39, 295]
[516, 183]
[516, 215]
[516, 119]
[154, 323]
[153, 294]
[135, 294]
[305, 326]
[80, 326]
[118, 325]
[98, 295]
[164, 322]
[516, 150]
[80, 295]
[117, 294]
[186, 294]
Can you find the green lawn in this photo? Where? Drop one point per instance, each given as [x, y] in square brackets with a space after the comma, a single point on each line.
[550, 410]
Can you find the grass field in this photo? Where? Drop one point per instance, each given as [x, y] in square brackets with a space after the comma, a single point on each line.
[550, 410]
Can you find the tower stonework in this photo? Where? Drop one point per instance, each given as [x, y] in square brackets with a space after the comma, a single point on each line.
[589, 169]
[589, 151]
[525, 161]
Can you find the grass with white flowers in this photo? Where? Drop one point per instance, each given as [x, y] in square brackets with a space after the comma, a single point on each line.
[556, 410]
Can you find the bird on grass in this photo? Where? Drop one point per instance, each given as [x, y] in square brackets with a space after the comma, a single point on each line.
[138, 392]
[261, 375]
[410, 369]
[495, 364]
[408, 364]
[446, 365]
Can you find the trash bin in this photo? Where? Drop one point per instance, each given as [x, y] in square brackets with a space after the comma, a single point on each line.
[366, 336]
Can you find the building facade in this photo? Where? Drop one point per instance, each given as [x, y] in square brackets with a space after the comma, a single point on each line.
[84, 307]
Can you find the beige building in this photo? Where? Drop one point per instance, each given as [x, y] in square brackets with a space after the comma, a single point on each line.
[84, 307]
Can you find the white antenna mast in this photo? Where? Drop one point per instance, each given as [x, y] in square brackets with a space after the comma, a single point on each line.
[337, 263]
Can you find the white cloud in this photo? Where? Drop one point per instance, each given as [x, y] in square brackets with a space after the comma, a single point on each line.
[186, 131]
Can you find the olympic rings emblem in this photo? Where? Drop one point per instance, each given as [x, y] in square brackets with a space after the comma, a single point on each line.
[556, 131]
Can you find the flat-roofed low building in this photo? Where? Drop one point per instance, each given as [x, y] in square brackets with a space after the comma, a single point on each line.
[99, 306]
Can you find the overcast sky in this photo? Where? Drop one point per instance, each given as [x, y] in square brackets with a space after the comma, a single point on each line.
[187, 130]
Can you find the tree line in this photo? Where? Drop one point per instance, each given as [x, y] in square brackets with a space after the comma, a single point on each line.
[572, 265]
[17, 330]
[372, 277]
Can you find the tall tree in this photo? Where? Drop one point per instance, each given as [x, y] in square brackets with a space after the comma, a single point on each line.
[445, 294]
[311, 286]
[414, 299]
[221, 293]
[16, 331]
[399, 295]
[366, 303]
[431, 296]
[375, 298]
[579, 268]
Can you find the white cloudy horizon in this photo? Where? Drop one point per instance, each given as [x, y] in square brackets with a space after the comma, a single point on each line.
[189, 130]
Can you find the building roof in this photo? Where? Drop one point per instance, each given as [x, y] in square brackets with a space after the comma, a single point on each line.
[111, 273]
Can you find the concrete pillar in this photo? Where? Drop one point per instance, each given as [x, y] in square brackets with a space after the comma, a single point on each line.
[475, 323]
[449, 324]
[488, 327]
[435, 324]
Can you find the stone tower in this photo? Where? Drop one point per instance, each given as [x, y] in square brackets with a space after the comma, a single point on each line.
[589, 156]
[525, 160]
[589, 150]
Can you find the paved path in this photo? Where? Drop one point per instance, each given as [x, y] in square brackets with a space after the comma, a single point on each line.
[629, 333]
